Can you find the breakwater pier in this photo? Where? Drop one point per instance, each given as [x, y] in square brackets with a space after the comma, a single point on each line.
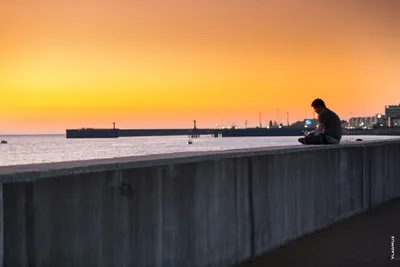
[196, 132]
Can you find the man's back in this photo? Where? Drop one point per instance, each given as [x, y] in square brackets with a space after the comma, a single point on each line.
[332, 123]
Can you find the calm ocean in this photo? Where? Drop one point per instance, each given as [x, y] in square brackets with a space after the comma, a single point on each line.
[56, 148]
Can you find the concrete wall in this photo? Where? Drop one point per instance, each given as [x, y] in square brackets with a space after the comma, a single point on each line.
[190, 209]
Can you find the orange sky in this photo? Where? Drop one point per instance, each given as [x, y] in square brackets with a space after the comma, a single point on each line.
[163, 63]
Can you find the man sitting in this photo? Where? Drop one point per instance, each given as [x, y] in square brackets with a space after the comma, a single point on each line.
[329, 130]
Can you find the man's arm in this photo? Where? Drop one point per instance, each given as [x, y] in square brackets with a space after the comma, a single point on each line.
[321, 121]
[319, 128]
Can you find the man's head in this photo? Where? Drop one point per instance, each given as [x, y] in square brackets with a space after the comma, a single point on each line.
[318, 105]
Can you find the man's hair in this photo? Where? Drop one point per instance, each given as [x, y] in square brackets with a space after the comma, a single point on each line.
[318, 103]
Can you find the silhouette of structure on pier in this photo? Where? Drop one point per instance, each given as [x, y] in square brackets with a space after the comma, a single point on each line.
[195, 133]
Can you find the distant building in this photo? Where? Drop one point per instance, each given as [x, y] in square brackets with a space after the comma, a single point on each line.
[298, 124]
[352, 123]
[366, 122]
[392, 114]
[306, 123]
[395, 122]
[392, 111]
[380, 119]
[310, 123]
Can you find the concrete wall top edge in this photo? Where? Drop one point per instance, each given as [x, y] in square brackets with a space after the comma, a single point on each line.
[18, 173]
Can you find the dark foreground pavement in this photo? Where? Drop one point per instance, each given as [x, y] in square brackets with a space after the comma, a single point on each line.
[362, 240]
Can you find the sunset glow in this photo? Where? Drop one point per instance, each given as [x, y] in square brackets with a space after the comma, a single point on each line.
[157, 64]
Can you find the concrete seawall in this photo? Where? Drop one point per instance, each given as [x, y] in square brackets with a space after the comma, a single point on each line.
[188, 209]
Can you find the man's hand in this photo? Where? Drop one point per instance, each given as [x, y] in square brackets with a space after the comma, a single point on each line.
[309, 133]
